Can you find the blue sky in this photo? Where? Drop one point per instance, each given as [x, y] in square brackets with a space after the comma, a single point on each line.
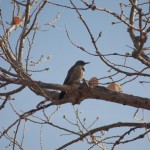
[63, 55]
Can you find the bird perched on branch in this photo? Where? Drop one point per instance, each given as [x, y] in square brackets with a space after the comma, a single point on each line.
[75, 75]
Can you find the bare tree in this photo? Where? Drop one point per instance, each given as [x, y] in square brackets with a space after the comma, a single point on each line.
[17, 76]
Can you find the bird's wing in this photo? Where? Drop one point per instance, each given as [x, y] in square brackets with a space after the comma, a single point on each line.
[75, 74]
[69, 75]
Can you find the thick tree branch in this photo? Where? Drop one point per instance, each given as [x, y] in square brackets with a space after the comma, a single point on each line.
[77, 94]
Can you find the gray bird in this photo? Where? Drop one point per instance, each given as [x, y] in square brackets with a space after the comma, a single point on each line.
[75, 75]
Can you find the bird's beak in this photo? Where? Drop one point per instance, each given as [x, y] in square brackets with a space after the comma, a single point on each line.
[86, 63]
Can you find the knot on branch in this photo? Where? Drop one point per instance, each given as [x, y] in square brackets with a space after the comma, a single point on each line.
[142, 38]
[135, 54]
[92, 6]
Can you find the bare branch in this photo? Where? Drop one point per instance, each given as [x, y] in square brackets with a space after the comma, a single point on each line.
[106, 128]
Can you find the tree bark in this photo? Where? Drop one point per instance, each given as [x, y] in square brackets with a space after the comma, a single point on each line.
[76, 95]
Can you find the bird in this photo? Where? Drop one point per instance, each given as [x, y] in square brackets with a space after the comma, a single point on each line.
[74, 75]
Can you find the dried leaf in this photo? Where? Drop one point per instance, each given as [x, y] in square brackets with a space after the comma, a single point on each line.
[115, 87]
[93, 82]
[16, 21]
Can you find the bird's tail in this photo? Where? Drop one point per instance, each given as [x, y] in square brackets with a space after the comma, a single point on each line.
[61, 95]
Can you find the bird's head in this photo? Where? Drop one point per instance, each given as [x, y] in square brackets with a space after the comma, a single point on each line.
[81, 63]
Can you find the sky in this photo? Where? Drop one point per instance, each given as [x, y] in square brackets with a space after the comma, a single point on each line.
[63, 55]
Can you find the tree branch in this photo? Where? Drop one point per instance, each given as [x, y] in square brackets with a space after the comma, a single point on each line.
[106, 128]
[76, 95]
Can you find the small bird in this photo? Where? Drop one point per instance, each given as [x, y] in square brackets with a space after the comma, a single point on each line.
[75, 75]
